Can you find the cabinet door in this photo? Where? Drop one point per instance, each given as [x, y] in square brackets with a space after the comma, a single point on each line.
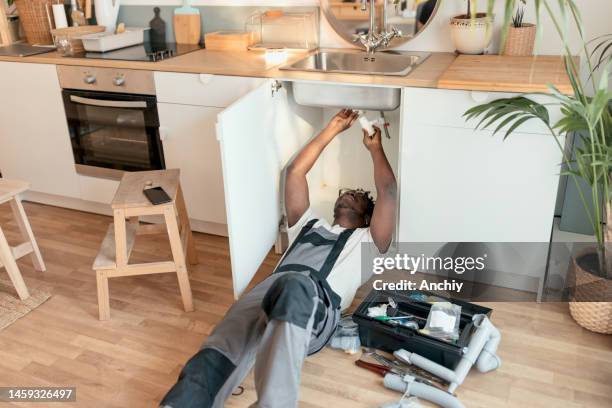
[190, 144]
[34, 139]
[258, 134]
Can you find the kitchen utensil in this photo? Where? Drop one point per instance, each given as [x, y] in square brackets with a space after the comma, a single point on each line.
[78, 17]
[187, 24]
[88, 9]
[104, 42]
[59, 16]
[70, 37]
[106, 13]
[229, 40]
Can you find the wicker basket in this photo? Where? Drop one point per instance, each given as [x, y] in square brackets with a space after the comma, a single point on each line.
[35, 20]
[593, 316]
[520, 40]
[73, 35]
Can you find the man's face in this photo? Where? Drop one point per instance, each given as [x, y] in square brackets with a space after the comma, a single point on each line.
[355, 201]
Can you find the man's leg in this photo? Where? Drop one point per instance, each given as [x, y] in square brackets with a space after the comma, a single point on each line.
[291, 306]
[227, 356]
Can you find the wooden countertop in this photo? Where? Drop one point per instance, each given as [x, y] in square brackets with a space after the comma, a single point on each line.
[440, 70]
[506, 74]
[253, 64]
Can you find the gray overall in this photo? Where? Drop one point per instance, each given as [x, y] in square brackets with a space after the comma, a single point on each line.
[291, 314]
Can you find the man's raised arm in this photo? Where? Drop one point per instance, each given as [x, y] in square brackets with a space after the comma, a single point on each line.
[296, 186]
[383, 218]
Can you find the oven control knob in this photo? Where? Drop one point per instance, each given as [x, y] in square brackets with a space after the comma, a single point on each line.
[119, 81]
[90, 79]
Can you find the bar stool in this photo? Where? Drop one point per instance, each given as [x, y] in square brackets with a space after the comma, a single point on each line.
[9, 192]
[130, 203]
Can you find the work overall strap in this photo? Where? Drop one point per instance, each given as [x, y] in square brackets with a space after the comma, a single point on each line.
[301, 234]
[335, 253]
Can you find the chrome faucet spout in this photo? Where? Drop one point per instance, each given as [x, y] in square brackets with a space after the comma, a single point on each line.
[373, 40]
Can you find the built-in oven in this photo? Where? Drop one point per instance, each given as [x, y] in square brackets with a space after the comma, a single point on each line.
[112, 128]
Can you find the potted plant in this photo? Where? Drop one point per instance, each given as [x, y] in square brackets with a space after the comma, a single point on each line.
[587, 113]
[521, 36]
[472, 31]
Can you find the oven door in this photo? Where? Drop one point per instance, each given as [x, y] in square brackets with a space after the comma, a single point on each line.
[112, 133]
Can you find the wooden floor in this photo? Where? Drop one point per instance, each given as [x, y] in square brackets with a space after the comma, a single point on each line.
[131, 360]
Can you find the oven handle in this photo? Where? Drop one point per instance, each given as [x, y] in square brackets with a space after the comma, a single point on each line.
[107, 103]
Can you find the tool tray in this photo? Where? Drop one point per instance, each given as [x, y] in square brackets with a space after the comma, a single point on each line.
[387, 336]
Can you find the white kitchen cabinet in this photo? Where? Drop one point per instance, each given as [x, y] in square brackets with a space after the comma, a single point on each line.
[464, 185]
[202, 89]
[34, 139]
[188, 105]
[190, 144]
[461, 185]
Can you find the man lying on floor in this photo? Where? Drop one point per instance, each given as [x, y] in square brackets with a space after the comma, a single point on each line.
[294, 312]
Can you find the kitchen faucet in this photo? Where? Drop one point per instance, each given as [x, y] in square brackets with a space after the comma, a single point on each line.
[371, 41]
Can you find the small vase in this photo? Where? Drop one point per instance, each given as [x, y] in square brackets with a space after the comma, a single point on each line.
[471, 35]
[520, 41]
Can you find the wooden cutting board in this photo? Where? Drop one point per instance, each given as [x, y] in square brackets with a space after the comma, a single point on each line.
[187, 28]
[506, 74]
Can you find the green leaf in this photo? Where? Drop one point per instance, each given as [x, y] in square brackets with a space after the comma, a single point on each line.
[516, 125]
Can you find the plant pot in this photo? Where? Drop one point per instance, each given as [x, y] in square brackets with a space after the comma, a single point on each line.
[471, 35]
[587, 292]
[520, 41]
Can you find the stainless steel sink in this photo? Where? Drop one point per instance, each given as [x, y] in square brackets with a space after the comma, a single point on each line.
[326, 95]
[380, 63]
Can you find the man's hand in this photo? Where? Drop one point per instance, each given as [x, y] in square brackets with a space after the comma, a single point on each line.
[342, 121]
[373, 142]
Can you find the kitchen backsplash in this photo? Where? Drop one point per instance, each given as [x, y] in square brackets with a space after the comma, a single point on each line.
[214, 18]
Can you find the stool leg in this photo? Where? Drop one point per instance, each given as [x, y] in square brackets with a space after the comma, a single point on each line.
[26, 231]
[7, 259]
[179, 257]
[181, 208]
[121, 257]
[103, 296]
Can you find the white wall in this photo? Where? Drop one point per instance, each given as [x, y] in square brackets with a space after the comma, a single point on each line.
[597, 15]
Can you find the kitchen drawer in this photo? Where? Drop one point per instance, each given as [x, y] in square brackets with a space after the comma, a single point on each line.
[202, 89]
[444, 107]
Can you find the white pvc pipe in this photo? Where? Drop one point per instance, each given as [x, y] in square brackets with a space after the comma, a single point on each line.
[481, 351]
[427, 392]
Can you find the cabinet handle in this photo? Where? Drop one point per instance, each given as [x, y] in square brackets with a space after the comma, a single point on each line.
[206, 78]
[479, 97]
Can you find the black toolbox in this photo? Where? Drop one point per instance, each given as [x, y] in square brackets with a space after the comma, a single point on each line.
[386, 336]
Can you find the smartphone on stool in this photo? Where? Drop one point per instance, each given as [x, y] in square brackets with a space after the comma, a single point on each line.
[157, 195]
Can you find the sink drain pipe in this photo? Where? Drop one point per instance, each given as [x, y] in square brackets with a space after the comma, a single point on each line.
[481, 351]
[409, 386]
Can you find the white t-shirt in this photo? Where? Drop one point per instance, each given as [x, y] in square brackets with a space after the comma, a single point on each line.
[346, 275]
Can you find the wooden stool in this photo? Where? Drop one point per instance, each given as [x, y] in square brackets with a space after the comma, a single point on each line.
[130, 203]
[9, 191]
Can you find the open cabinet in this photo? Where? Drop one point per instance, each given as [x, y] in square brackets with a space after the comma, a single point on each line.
[258, 136]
